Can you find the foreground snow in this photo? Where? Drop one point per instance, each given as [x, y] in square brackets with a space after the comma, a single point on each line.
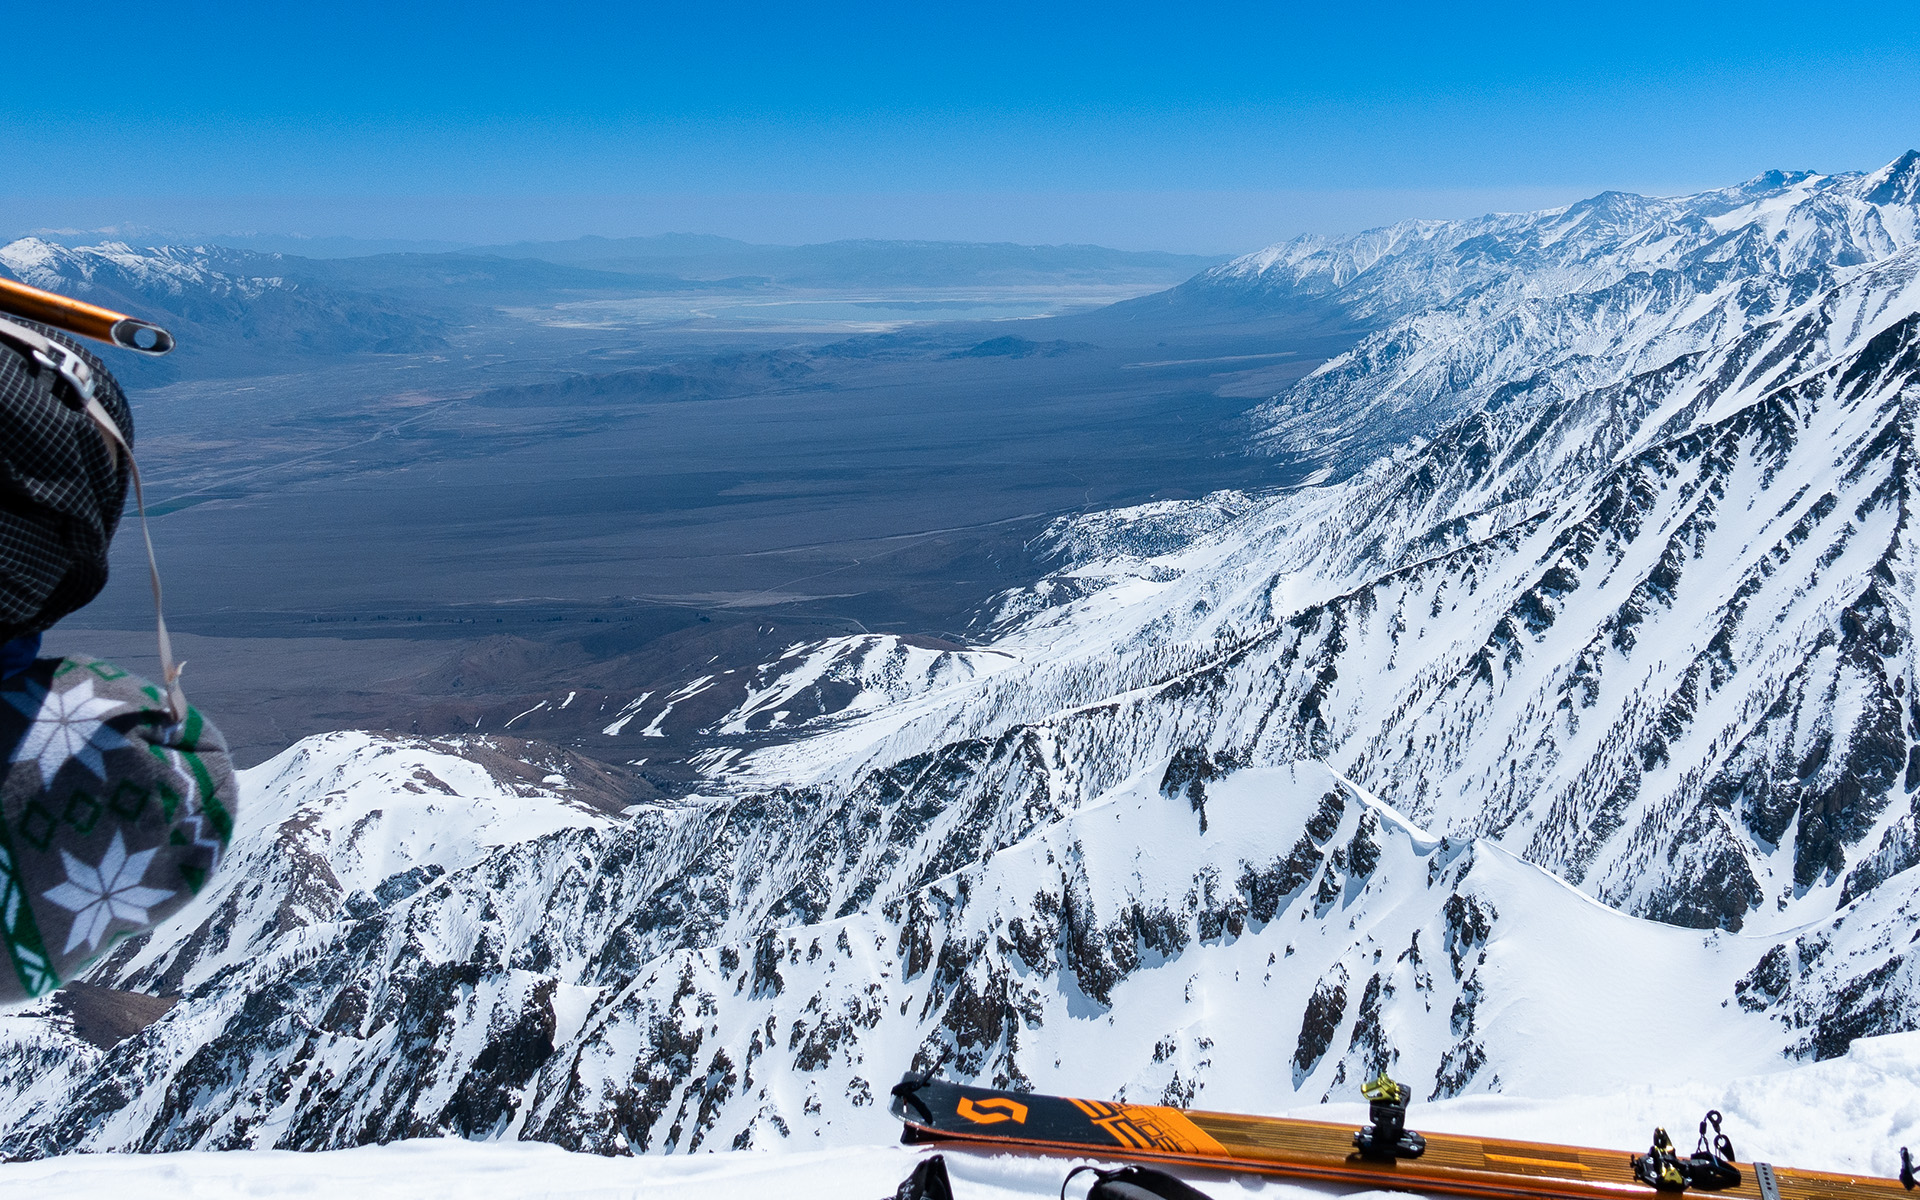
[1848, 1115]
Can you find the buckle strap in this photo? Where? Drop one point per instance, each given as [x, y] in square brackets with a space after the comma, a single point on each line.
[54, 356]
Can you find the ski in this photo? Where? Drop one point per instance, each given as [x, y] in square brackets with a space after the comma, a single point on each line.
[1379, 1156]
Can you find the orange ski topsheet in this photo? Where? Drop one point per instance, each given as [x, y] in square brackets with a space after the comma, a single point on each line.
[1453, 1164]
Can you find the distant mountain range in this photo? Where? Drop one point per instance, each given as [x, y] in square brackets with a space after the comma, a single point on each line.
[696, 256]
[242, 311]
[231, 311]
[1616, 281]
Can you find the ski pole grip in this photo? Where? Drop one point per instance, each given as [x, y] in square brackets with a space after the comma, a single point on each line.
[85, 320]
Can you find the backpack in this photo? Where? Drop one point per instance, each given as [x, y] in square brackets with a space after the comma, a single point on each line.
[62, 484]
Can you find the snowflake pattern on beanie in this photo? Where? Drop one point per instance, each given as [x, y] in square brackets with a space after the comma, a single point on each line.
[112, 815]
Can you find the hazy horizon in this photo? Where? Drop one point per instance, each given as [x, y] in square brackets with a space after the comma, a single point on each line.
[1174, 222]
[1213, 132]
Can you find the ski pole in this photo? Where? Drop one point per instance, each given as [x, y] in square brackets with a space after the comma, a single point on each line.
[79, 317]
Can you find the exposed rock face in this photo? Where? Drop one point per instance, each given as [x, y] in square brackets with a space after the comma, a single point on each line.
[1590, 709]
[103, 1017]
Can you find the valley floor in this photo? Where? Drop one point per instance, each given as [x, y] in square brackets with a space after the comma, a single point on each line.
[1846, 1115]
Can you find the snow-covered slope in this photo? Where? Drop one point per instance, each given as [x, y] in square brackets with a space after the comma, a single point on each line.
[683, 983]
[1575, 737]
[337, 827]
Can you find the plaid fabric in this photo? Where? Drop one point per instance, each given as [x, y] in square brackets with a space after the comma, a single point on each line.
[111, 816]
[61, 492]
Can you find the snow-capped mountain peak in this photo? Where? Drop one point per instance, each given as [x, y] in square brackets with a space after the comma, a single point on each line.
[168, 270]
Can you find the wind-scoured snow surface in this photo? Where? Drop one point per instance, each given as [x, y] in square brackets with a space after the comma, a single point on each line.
[1572, 737]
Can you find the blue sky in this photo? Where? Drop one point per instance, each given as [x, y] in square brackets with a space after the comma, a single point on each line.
[1195, 127]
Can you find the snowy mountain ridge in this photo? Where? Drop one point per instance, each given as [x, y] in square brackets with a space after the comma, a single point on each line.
[552, 989]
[230, 309]
[166, 270]
[1799, 220]
[802, 687]
[1608, 674]
[1571, 298]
